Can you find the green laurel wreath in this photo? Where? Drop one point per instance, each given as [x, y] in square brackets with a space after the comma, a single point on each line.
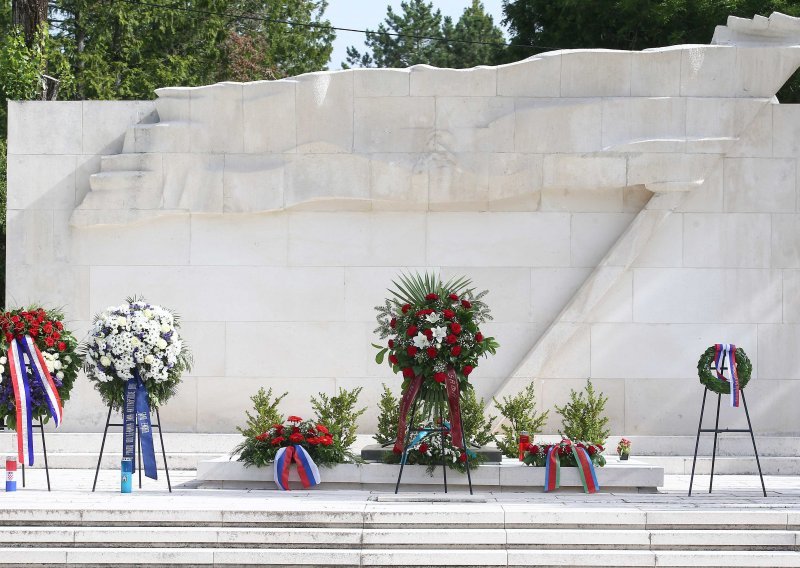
[709, 378]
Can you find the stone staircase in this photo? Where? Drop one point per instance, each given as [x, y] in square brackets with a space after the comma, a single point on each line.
[296, 532]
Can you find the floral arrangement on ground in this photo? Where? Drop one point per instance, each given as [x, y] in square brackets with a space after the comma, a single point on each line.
[315, 438]
[536, 454]
[136, 340]
[59, 350]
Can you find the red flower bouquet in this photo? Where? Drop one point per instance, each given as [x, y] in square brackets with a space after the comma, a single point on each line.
[315, 438]
[536, 454]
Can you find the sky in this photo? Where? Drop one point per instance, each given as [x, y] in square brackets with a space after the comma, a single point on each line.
[363, 14]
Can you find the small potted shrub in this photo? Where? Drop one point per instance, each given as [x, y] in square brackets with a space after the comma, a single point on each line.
[624, 448]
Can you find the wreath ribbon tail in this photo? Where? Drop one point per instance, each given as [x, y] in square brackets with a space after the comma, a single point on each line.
[552, 470]
[405, 407]
[42, 374]
[22, 402]
[585, 470]
[734, 376]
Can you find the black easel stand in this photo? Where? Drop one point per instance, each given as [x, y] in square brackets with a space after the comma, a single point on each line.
[442, 430]
[40, 426]
[717, 430]
[139, 446]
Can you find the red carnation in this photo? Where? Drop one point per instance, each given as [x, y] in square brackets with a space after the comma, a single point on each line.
[479, 337]
[423, 447]
[323, 429]
[456, 350]
[296, 438]
[278, 428]
[294, 419]
[412, 331]
[277, 441]
[59, 326]
[427, 333]
[449, 314]
[393, 323]
[451, 339]
[533, 449]
[48, 327]
[467, 370]
[295, 429]
[34, 331]
[466, 304]
[431, 351]
[262, 437]
[405, 308]
[455, 328]
[15, 318]
[439, 377]
[9, 337]
[56, 335]
[411, 350]
[453, 297]
[62, 346]
[326, 441]
[432, 297]
[393, 359]
[463, 457]
[408, 372]
[313, 440]
[391, 344]
[49, 341]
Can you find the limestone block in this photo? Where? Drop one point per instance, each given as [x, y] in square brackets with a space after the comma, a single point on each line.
[321, 176]
[558, 125]
[180, 412]
[316, 537]
[29, 237]
[515, 181]
[105, 123]
[458, 182]
[552, 288]
[164, 137]
[581, 200]
[206, 340]
[52, 556]
[41, 181]
[504, 239]
[45, 127]
[556, 392]
[675, 171]
[730, 240]
[366, 287]
[776, 347]
[292, 294]
[85, 167]
[709, 196]
[217, 118]
[727, 558]
[475, 124]
[705, 295]
[762, 71]
[760, 184]
[253, 183]
[791, 296]
[324, 107]
[297, 557]
[163, 556]
[786, 130]
[617, 304]
[394, 124]
[708, 71]
[572, 359]
[585, 538]
[412, 537]
[455, 557]
[635, 198]
[593, 234]
[756, 140]
[269, 117]
[157, 242]
[516, 339]
[666, 245]
[628, 121]
[582, 173]
[356, 239]
[676, 410]
[772, 404]
[537, 76]
[339, 349]
[398, 181]
[522, 515]
[596, 73]
[194, 182]
[35, 285]
[627, 351]
[509, 290]
[785, 241]
[656, 72]
[239, 240]
[173, 105]
[427, 81]
[381, 82]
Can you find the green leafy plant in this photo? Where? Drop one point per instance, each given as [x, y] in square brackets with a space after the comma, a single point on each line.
[582, 418]
[519, 412]
[339, 414]
[477, 426]
[265, 414]
[388, 415]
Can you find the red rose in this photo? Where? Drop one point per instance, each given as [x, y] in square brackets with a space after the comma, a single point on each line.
[466, 304]
[49, 341]
[277, 441]
[278, 428]
[411, 350]
[431, 351]
[449, 314]
[393, 359]
[427, 333]
[467, 370]
[453, 297]
[432, 297]
[56, 335]
[456, 350]
[59, 326]
[440, 377]
[479, 337]
[591, 450]
[412, 331]
[451, 339]
[408, 372]
[48, 327]
[405, 308]
[9, 337]
[393, 323]
[294, 419]
[15, 319]
[423, 447]
[323, 429]
[533, 449]
[455, 328]
[20, 325]
[463, 457]
[296, 438]
[391, 344]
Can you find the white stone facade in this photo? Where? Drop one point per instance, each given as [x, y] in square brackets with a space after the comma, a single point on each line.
[625, 210]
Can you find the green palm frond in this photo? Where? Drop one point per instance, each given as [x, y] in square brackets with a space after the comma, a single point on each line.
[411, 288]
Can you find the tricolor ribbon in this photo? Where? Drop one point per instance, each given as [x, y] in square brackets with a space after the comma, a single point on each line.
[23, 348]
[552, 471]
[306, 468]
[721, 352]
[136, 416]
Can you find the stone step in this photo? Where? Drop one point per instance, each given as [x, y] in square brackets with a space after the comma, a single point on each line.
[682, 465]
[727, 445]
[131, 162]
[124, 180]
[166, 137]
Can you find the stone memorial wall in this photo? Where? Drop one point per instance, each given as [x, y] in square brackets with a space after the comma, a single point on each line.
[625, 210]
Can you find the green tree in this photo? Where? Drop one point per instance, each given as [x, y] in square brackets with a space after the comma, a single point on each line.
[628, 24]
[583, 419]
[425, 36]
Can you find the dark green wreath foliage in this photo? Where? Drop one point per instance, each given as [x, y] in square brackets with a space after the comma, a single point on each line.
[709, 379]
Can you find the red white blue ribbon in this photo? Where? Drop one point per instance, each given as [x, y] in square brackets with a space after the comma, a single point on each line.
[721, 352]
[19, 349]
[306, 468]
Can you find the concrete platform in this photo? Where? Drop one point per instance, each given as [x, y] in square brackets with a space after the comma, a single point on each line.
[509, 476]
